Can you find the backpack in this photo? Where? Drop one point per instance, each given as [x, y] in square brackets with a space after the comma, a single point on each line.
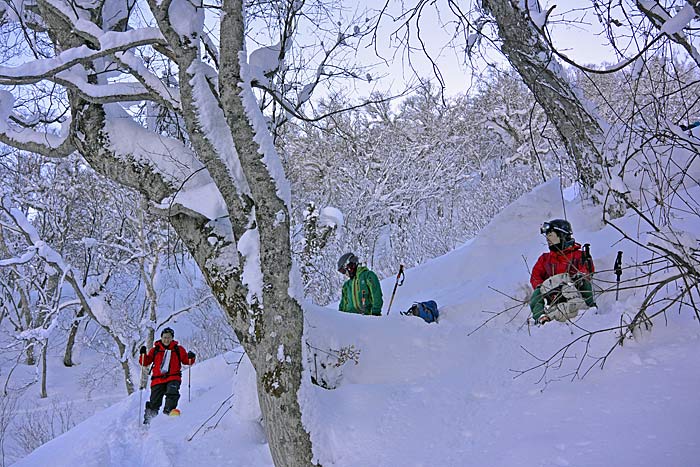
[562, 300]
[426, 310]
[559, 288]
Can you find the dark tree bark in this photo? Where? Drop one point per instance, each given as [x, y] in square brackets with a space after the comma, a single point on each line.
[533, 59]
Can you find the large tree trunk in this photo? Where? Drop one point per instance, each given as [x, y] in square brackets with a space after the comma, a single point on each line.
[278, 379]
[532, 58]
[281, 325]
[264, 329]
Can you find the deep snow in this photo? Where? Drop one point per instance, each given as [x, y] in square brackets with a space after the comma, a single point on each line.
[445, 394]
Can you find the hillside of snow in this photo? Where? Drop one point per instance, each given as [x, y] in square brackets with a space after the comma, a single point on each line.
[453, 393]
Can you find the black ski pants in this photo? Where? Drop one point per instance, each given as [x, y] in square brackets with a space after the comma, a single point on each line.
[171, 391]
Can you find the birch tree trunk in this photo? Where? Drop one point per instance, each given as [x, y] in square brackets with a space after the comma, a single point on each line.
[532, 58]
[282, 322]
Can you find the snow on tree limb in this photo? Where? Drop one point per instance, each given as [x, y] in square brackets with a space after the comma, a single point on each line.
[111, 42]
[130, 141]
[169, 96]
[186, 18]
[672, 27]
[102, 93]
[27, 139]
[24, 259]
[262, 134]
[35, 141]
[213, 122]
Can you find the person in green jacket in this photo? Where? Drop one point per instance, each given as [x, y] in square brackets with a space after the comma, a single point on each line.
[361, 292]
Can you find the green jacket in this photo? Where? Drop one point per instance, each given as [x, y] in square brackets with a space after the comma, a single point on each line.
[363, 294]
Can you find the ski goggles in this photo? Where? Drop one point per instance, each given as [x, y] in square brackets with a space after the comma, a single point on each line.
[546, 228]
[347, 267]
[550, 227]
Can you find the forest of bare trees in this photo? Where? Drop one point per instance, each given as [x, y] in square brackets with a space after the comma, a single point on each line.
[142, 137]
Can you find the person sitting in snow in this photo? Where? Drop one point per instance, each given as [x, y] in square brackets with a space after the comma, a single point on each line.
[561, 276]
[167, 358]
[361, 292]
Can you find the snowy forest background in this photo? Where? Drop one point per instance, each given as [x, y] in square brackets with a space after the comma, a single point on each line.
[91, 262]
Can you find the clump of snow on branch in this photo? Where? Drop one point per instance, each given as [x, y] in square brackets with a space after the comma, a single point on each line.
[252, 277]
[262, 135]
[101, 311]
[263, 62]
[23, 135]
[331, 217]
[205, 199]
[168, 156]
[213, 122]
[186, 18]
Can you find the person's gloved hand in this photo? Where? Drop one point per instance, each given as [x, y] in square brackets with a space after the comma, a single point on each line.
[544, 319]
[191, 355]
[142, 351]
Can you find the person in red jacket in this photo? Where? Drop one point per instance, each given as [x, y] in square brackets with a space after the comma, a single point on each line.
[167, 358]
[565, 256]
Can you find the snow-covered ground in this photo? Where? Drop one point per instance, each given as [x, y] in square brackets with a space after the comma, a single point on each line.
[445, 394]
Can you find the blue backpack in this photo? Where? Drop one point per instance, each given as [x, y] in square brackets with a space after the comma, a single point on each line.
[426, 310]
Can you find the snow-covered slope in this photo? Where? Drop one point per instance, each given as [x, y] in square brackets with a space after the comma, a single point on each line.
[445, 394]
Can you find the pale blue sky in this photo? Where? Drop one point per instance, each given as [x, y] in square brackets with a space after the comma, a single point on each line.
[578, 42]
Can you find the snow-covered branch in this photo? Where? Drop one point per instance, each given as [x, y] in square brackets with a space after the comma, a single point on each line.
[169, 96]
[40, 142]
[110, 43]
[672, 26]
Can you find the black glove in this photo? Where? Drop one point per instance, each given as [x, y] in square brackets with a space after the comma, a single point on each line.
[191, 355]
[142, 351]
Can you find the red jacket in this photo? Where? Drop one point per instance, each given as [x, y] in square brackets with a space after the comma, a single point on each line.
[556, 262]
[178, 357]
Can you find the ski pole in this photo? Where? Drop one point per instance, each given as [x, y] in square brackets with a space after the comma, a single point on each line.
[618, 273]
[587, 256]
[141, 388]
[400, 276]
[189, 384]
